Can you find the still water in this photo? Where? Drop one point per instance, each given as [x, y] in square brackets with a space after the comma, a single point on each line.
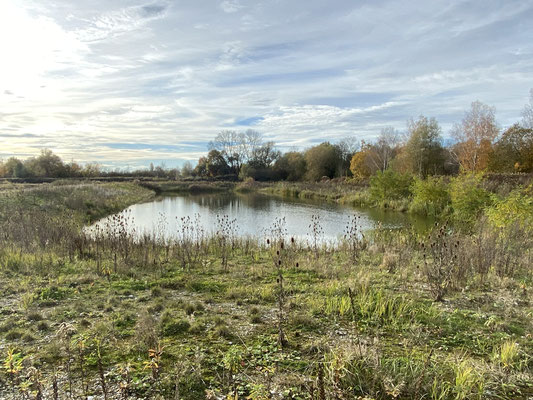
[255, 214]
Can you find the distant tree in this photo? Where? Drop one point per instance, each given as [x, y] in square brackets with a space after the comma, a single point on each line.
[216, 164]
[474, 136]
[423, 153]
[73, 169]
[236, 147]
[322, 161]
[47, 164]
[290, 166]
[186, 169]
[261, 162]
[359, 164]
[347, 148]
[201, 167]
[383, 151]
[91, 170]
[365, 162]
[14, 168]
[264, 156]
[160, 171]
[527, 114]
[513, 152]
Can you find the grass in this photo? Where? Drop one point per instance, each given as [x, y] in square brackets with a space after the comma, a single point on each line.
[355, 327]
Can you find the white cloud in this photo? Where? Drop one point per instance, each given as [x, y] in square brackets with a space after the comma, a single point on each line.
[230, 6]
[78, 76]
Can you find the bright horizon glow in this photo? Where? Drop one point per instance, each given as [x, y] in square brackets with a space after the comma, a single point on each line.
[129, 83]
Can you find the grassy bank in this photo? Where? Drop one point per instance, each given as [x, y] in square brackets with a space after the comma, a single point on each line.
[463, 198]
[222, 317]
[162, 187]
[83, 202]
[343, 192]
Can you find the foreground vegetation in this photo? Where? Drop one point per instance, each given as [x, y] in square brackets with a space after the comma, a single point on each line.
[390, 315]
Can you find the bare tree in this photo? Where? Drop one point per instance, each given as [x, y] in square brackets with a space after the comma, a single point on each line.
[347, 148]
[236, 147]
[475, 135]
[527, 114]
[252, 141]
[384, 149]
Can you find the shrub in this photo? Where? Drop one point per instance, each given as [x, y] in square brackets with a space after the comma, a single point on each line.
[468, 198]
[430, 196]
[516, 209]
[389, 185]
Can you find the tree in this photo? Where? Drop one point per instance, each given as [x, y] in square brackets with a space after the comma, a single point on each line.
[47, 164]
[527, 114]
[475, 135]
[91, 169]
[359, 164]
[216, 164]
[423, 153]
[264, 156]
[290, 166]
[513, 152]
[14, 168]
[201, 167]
[236, 147]
[186, 169]
[322, 161]
[347, 148]
[261, 162]
[385, 148]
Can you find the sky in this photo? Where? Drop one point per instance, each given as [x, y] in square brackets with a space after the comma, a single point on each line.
[126, 83]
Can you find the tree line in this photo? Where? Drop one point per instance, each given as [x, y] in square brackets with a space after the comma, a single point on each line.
[478, 145]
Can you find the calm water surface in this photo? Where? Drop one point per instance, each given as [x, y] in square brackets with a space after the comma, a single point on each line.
[255, 215]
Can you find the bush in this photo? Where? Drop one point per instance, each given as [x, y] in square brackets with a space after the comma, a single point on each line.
[430, 196]
[468, 198]
[389, 185]
[515, 209]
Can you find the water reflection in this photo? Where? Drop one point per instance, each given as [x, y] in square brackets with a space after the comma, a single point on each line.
[255, 214]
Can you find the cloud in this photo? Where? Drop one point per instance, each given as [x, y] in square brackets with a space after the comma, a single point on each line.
[230, 6]
[126, 84]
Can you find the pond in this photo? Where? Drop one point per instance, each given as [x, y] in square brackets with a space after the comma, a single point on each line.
[255, 214]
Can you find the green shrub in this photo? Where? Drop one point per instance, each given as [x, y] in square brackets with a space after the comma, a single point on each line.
[430, 196]
[468, 198]
[54, 293]
[389, 185]
[515, 209]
